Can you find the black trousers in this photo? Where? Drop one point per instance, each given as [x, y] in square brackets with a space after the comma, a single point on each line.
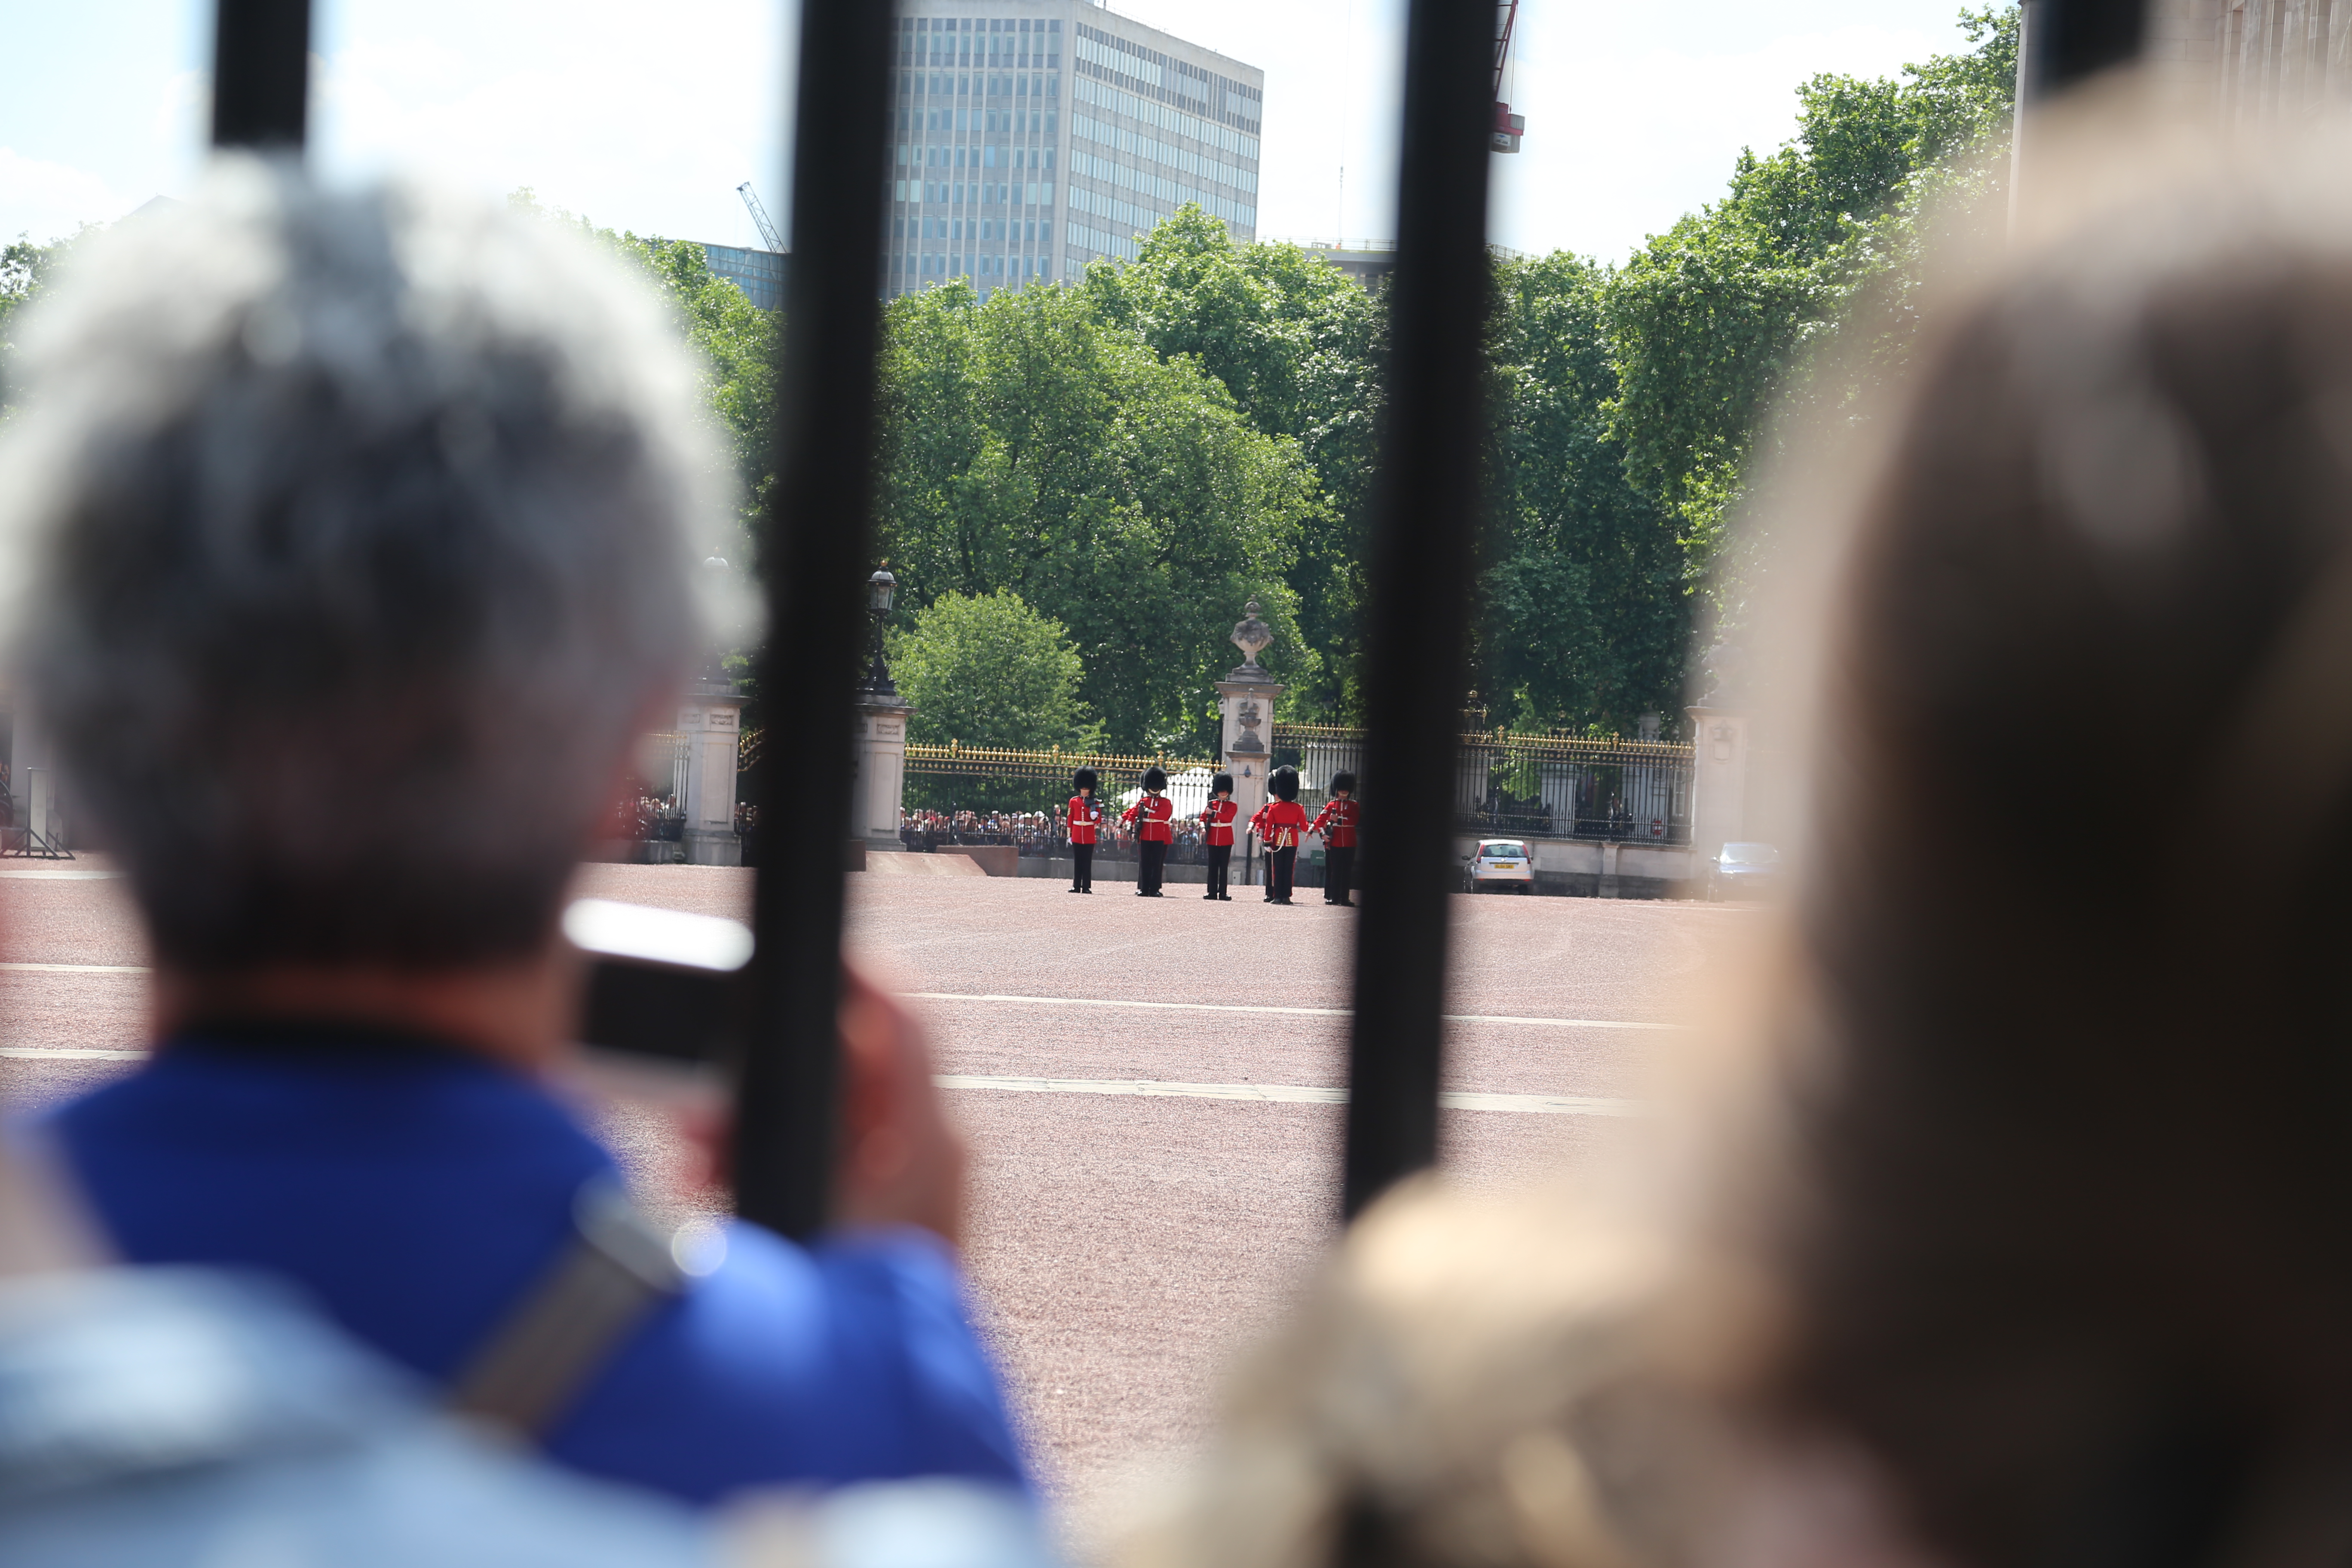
[1154, 854]
[1221, 867]
[1281, 866]
[1082, 866]
[1338, 874]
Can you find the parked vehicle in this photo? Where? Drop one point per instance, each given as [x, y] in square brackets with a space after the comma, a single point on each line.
[1499, 863]
[1743, 871]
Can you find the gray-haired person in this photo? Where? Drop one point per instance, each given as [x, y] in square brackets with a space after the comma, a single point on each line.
[353, 538]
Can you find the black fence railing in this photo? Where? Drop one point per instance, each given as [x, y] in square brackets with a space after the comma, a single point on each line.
[1530, 785]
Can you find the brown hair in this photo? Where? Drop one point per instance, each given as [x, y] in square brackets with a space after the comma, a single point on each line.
[2076, 1259]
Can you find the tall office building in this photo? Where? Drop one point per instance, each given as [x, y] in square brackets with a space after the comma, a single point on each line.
[1035, 135]
[759, 273]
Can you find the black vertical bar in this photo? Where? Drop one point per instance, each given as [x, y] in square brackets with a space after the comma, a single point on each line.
[815, 563]
[261, 74]
[2059, 44]
[2065, 41]
[1423, 545]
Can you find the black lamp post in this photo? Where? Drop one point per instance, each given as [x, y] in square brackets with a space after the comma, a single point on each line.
[880, 589]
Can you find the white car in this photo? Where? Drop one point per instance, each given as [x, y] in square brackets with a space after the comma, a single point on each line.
[1499, 863]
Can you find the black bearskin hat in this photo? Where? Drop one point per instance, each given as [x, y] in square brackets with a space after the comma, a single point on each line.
[1284, 782]
[1155, 777]
[1343, 780]
[1083, 780]
[1221, 784]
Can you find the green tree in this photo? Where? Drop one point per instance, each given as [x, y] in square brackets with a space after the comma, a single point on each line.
[1585, 610]
[1300, 348]
[26, 270]
[732, 339]
[1029, 445]
[1737, 303]
[987, 671]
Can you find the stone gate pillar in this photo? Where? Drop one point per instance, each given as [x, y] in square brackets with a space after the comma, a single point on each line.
[879, 789]
[1718, 782]
[1246, 698]
[712, 721]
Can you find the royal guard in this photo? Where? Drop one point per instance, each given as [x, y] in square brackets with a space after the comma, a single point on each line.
[1085, 821]
[1278, 824]
[1154, 815]
[1337, 823]
[1217, 833]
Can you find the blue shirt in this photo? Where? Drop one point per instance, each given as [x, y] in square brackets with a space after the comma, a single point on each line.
[419, 1193]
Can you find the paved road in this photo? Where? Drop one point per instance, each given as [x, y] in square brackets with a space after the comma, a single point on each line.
[1121, 1242]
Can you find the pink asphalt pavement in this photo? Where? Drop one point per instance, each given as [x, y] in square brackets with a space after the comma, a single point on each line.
[1121, 1244]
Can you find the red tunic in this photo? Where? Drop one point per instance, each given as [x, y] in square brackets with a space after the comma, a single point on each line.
[1157, 812]
[1337, 823]
[1085, 812]
[1218, 824]
[1279, 822]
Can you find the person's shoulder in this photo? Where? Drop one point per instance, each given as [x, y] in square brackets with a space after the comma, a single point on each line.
[215, 1093]
[158, 1412]
[853, 1359]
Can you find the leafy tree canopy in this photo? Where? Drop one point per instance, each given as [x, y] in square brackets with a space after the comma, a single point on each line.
[26, 270]
[987, 671]
[1029, 446]
[1709, 320]
[1584, 610]
[734, 340]
[1300, 348]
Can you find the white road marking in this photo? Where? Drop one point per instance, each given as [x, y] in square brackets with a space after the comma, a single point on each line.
[1286, 1094]
[1044, 1002]
[61, 1053]
[1263, 1093]
[72, 969]
[1293, 1012]
[60, 876]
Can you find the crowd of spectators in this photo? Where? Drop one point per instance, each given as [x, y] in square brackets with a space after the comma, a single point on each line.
[638, 814]
[1032, 832]
[1040, 833]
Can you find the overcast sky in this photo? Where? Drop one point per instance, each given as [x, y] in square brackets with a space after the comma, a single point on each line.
[647, 117]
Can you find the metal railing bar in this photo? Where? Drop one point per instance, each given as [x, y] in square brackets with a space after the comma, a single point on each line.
[1422, 543]
[814, 565]
[2065, 41]
[261, 74]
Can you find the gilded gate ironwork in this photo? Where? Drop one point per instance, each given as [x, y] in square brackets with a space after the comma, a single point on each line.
[1536, 785]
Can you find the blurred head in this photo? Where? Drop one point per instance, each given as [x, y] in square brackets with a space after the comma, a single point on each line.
[1283, 783]
[353, 540]
[1343, 782]
[1221, 784]
[1155, 779]
[2049, 1263]
[1083, 780]
[2073, 1131]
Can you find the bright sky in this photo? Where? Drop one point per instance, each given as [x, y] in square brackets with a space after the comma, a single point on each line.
[647, 117]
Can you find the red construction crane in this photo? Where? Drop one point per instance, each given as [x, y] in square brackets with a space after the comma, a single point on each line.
[1508, 127]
